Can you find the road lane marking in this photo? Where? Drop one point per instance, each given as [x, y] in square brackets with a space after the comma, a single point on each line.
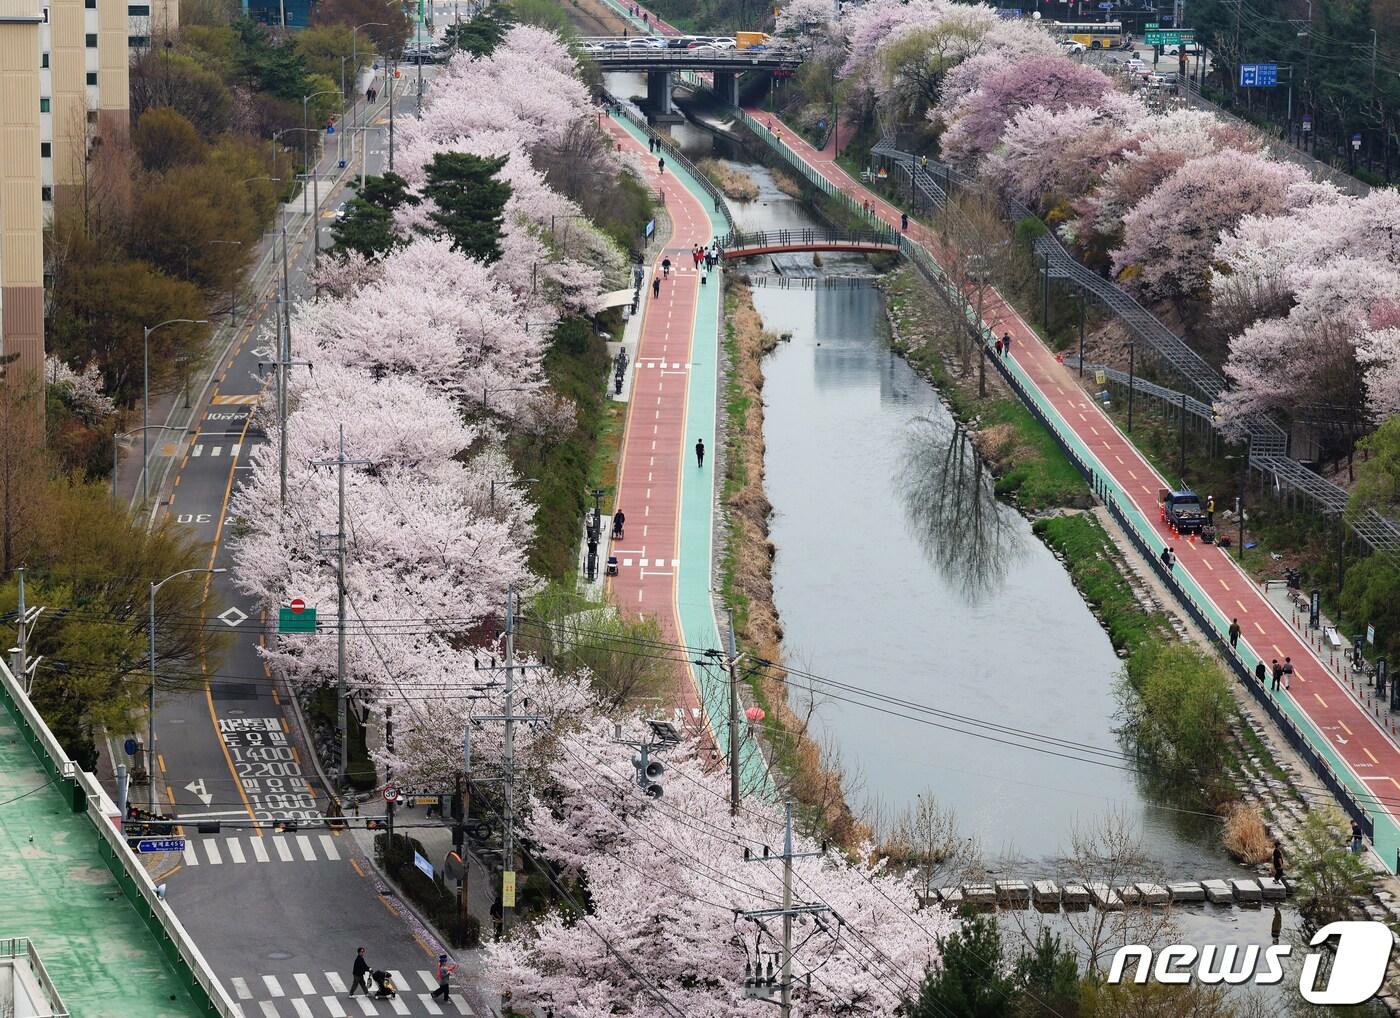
[282, 849]
[259, 849]
[337, 984]
[1363, 748]
[328, 844]
[304, 984]
[235, 851]
[304, 843]
[333, 1007]
[1346, 729]
[273, 986]
[429, 1004]
[269, 1009]
[190, 858]
[240, 987]
[1320, 700]
[211, 850]
[301, 1007]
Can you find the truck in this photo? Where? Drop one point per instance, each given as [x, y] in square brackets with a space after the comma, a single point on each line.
[1182, 510]
[748, 40]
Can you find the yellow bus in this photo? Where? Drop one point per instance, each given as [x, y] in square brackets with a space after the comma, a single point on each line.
[1093, 34]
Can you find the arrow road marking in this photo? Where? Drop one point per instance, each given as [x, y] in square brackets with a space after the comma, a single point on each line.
[197, 787]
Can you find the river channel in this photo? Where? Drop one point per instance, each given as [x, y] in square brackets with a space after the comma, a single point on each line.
[899, 572]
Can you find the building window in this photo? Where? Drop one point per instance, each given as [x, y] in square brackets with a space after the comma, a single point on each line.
[92, 77]
[138, 10]
[45, 149]
[91, 40]
[46, 193]
[44, 60]
[138, 41]
[43, 105]
[90, 4]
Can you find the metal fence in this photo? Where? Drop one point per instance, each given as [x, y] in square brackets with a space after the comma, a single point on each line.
[880, 237]
[671, 152]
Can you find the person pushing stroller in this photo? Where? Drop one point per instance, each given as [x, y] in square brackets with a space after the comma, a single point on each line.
[384, 987]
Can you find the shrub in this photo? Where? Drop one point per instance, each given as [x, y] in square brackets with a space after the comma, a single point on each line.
[1246, 838]
[431, 894]
[1177, 707]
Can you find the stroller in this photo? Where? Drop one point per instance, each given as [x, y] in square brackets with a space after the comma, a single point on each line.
[383, 985]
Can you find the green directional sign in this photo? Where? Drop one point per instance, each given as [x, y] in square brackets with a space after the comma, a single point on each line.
[296, 619]
[1154, 36]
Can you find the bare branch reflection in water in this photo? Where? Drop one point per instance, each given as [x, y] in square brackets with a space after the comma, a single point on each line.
[952, 509]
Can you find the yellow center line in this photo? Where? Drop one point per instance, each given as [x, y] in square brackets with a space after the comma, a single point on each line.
[1395, 783]
[1320, 700]
[160, 759]
[1210, 567]
[1348, 731]
[1368, 753]
[355, 863]
[1118, 458]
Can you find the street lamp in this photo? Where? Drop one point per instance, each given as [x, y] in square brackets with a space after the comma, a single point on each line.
[151, 720]
[146, 398]
[1132, 350]
[1244, 476]
[509, 480]
[304, 130]
[355, 60]
[116, 448]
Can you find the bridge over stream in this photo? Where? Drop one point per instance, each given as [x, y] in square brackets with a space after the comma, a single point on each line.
[740, 244]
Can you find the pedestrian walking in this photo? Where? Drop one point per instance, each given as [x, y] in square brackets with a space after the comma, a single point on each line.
[661, 166]
[369, 95]
[359, 975]
[1234, 633]
[998, 348]
[444, 977]
[700, 453]
[1168, 558]
[1260, 672]
[1277, 673]
[619, 518]
[651, 144]
[904, 222]
[1278, 860]
[1287, 673]
[666, 267]
[1006, 344]
[1356, 837]
[656, 287]
[1210, 509]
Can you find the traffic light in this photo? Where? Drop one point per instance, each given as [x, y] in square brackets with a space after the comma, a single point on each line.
[649, 774]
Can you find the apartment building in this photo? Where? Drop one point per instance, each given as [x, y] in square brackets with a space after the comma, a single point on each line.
[21, 174]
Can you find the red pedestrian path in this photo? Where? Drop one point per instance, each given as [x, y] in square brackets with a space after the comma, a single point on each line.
[1344, 731]
[654, 444]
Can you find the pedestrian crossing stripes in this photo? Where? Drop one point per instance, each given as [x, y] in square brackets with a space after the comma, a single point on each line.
[653, 563]
[236, 400]
[325, 995]
[215, 450]
[273, 848]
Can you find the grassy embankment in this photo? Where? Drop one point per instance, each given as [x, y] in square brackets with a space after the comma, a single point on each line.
[746, 570]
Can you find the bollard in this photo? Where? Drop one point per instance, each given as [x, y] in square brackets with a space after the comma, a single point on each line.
[1397, 861]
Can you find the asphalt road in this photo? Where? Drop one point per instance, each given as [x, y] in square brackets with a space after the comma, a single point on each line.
[278, 915]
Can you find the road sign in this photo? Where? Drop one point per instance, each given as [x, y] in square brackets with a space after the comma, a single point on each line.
[1258, 75]
[508, 889]
[296, 620]
[391, 793]
[1371, 635]
[297, 606]
[130, 746]
[146, 845]
[1169, 36]
[423, 865]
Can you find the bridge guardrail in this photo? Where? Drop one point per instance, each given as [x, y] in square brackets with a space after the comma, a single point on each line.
[738, 239]
[669, 151]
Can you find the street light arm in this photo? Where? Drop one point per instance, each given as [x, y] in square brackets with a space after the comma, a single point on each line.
[183, 572]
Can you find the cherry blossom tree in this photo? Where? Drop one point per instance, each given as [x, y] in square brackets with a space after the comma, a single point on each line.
[665, 881]
[1048, 157]
[805, 18]
[977, 120]
[85, 392]
[1170, 236]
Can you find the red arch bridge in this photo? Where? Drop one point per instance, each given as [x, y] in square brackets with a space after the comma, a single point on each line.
[746, 245]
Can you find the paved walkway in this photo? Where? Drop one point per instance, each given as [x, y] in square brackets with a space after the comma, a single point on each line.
[1341, 729]
[59, 893]
[665, 558]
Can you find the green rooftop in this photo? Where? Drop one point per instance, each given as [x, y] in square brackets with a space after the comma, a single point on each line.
[57, 889]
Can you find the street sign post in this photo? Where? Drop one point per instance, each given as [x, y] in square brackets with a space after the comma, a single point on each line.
[1155, 35]
[391, 794]
[296, 618]
[1258, 75]
[148, 845]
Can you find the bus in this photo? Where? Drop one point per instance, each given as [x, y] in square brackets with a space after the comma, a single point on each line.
[1093, 34]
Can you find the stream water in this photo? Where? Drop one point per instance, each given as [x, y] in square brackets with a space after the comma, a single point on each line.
[900, 573]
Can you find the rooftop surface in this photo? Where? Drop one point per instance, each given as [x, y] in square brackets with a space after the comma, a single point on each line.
[56, 889]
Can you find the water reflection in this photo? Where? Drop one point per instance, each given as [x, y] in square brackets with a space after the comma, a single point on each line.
[952, 509]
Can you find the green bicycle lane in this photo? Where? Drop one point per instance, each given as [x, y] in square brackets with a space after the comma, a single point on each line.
[695, 610]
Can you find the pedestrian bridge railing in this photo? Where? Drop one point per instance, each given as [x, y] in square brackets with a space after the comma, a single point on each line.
[740, 244]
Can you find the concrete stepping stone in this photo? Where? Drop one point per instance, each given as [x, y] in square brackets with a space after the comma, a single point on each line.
[1218, 892]
[1046, 892]
[1130, 895]
[1246, 891]
[1105, 897]
[1273, 890]
[952, 896]
[1187, 890]
[979, 894]
[1153, 894]
[1075, 894]
[1016, 893]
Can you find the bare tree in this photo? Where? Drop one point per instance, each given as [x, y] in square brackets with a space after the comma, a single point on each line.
[925, 836]
[978, 257]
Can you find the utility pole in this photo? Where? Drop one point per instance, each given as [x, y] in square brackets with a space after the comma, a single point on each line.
[755, 986]
[393, 69]
[508, 756]
[282, 364]
[20, 666]
[342, 721]
[733, 663]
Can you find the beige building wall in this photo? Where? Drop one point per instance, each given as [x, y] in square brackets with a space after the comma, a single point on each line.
[21, 208]
[67, 73]
[113, 62]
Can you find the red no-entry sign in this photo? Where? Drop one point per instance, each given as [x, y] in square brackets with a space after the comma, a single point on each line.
[298, 605]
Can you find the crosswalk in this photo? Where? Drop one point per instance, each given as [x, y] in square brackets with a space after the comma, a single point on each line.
[292, 848]
[324, 995]
[198, 449]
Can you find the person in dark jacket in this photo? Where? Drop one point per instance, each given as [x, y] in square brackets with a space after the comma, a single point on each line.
[1234, 633]
[618, 520]
[359, 975]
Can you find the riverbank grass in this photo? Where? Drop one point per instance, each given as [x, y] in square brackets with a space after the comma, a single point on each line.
[1029, 466]
[734, 183]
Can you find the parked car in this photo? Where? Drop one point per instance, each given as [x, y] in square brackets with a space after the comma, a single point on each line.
[723, 42]
[341, 210]
[1071, 47]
